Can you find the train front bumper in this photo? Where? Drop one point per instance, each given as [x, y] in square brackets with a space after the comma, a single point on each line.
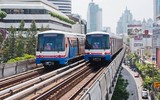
[61, 61]
[94, 56]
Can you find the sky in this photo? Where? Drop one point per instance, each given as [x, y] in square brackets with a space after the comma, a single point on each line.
[112, 10]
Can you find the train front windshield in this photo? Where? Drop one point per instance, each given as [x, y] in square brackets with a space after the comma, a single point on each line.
[97, 41]
[50, 42]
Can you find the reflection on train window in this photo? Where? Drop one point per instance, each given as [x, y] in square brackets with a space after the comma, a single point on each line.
[74, 43]
[48, 46]
[50, 42]
[97, 42]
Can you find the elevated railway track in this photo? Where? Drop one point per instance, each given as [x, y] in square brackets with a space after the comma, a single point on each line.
[74, 81]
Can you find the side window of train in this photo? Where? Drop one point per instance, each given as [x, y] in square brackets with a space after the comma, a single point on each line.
[81, 42]
[108, 43]
[112, 43]
[74, 43]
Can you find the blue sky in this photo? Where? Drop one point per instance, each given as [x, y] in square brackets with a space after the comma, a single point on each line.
[113, 9]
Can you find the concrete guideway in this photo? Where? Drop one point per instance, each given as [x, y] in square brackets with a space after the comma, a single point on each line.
[104, 86]
[138, 81]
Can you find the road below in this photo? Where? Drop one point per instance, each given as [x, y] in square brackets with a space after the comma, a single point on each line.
[135, 83]
[131, 88]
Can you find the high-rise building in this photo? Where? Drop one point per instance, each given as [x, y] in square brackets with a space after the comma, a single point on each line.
[94, 18]
[156, 32]
[156, 6]
[29, 10]
[63, 5]
[124, 20]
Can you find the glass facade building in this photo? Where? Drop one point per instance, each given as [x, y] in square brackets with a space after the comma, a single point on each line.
[156, 6]
[63, 5]
[94, 18]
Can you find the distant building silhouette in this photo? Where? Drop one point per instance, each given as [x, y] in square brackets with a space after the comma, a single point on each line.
[124, 20]
[127, 19]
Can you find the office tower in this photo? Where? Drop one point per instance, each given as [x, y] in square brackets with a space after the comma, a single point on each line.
[94, 17]
[156, 6]
[124, 20]
[63, 5]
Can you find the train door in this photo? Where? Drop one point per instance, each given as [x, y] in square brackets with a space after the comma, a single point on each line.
[73, 49]
[70, 49]
[78, 46]
[111, 43]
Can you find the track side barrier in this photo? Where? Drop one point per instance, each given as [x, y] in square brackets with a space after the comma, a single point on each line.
[104, 86]
[8, 69]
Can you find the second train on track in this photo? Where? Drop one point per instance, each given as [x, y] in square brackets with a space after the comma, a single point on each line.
[101, 46]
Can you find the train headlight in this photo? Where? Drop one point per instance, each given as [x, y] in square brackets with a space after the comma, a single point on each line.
[103, 53]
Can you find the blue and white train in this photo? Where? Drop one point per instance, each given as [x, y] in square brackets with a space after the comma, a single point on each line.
[101, 46]
[58, 47]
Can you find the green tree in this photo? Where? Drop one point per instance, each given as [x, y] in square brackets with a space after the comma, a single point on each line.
[147, 82]
[47, 27]
[0, 48]
[5, 51]
[128, 40]
[147, 54]
[2, 15]
[20, 40]
[42, 28]
[1, 38]
[21, 27]
[8, 51]
[11, 37]
[31, 42]
[120, 92]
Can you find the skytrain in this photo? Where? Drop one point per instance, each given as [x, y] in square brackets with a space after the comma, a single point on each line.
[101, 46]
[58, 47]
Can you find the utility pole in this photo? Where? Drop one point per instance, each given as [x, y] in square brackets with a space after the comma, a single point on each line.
[153, 88]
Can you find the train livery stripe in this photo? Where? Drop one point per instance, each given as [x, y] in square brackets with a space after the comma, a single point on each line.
[48, 56]
[97, 53]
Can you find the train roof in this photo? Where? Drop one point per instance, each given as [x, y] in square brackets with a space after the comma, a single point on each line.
[60, 32]
[54, 31]
[99, 32]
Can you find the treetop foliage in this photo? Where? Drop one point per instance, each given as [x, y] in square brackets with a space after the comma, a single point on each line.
[2, 14]
[53, 14]
[25, 57]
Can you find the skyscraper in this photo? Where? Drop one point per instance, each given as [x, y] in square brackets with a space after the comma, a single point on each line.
[124, 20]
[94, 17]
[156, 6]
[63, 5]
